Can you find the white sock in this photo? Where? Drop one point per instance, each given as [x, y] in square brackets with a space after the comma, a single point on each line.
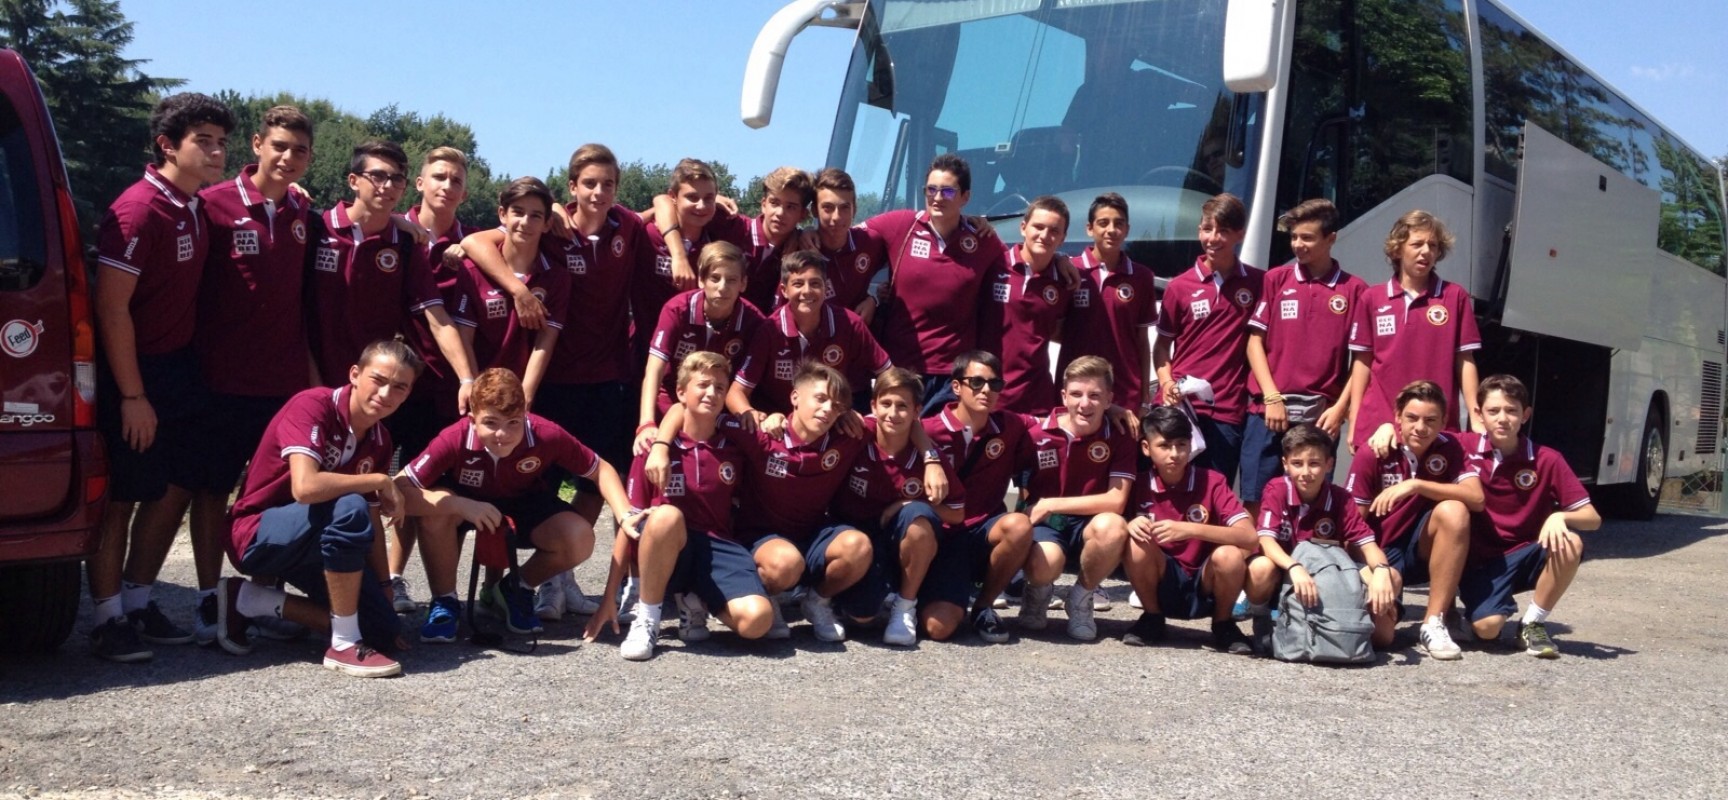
[259, 601]
[344, 631]
[395, 576]
[904, 603]
[1535, 614]
[451, 596]
[649, 613]
[108, 608]
[203, 593]
[1435, 620]
[134, 596]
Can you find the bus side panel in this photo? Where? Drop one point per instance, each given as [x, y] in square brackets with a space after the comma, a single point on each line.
[1361, 247]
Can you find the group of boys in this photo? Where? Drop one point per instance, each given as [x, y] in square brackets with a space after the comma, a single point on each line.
[752, 478]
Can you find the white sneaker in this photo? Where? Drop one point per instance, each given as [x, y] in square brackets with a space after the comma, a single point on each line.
[902, 627]
[399, 596]
[1101, 600]
[1080, 623]
[575, 601]
[639, 642]
[820, 612]
[1134, 600]
[1438, 641]
[1000, 603]
[549, 601]
[779, 629]
[692, 618]
[1035, 607]
[627, 597]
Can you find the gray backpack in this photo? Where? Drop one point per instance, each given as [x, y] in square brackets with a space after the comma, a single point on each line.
[1338, 630]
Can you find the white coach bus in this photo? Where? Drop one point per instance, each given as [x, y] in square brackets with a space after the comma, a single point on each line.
[1590, 237]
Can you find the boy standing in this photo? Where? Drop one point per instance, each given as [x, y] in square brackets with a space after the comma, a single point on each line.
[804, 327]
[1021, 306]
[1116, 302]
[855, 254]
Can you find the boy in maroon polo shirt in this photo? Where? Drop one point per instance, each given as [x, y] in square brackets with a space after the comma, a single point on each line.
[1021, 305]
[1528, 536]
[1302, 505]
[1203, 332]
[1298, 345]
[938, 262]
[1187, 541]
[713, 318]
[687, 546]
[1418, 498]
[367, 276]
[1414, 327]
[986, 448]
[501, 461]
[1081, 474]
[663, 269]
[885, 494]
[306, 516]
[1116, 302]
[805, 327]
[152, 247]
[251, 323]
[772, 235]
[486, 317]
[857, 255]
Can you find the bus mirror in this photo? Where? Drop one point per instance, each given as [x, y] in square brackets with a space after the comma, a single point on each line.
[768, 54]
[1250, 44]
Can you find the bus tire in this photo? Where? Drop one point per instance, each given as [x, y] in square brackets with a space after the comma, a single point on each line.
[38, 604]
[1638, 499]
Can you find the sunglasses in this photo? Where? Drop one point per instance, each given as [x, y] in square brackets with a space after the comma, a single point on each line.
[977, 383]
[944, 192]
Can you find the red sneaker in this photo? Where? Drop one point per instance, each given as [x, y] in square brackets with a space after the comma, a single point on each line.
[361, 661]
[231, 625]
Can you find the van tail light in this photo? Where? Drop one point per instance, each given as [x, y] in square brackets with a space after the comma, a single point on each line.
[83, 325]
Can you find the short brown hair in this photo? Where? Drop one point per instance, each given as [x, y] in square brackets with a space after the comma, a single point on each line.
[791, 178]
[1107, 200]
[1318, 210]
[1417, 220]
[446, 154]
[716, 253]
[375, 148]
[835, 179]
[1225, 211]
[1305, 435]
[689, 170]
[815, 372]
[1507, 385]
[498, 390]
[1089, 368]
[802, 261]
[526, 187]
[895, 378]
[704, 361]
[592, 154]
[1049, 203]
[287, 118]
[394, 348]
[1425, 391]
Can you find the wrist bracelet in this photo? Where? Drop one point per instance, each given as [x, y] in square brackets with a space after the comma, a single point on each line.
[658, 442]
[138, 396]
[644, 426]
[466, 382]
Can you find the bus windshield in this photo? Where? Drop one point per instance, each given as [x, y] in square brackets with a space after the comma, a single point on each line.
[1072, 98]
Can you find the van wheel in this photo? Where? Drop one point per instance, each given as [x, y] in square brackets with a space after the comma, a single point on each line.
[38, 603]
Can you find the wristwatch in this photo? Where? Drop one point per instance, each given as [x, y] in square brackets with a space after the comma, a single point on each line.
[932, 456]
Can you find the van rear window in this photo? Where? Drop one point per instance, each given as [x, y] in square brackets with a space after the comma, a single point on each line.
[23, 250]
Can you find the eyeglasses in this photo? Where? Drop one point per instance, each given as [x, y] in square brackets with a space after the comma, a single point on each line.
[944, 192]
[977, 383]
[383, 180]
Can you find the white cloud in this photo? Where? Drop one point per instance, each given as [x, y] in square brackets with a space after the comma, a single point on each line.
[1664, 72]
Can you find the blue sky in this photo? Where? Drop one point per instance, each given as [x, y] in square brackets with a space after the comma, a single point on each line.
[659, 79]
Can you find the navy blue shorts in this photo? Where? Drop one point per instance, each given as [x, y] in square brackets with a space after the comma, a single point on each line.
[233, 429]
[1223, 451]
[600, 415]
[962, 560]
[1066, 531]
[527, 512]
[175, 388]
[938, 393]
[1180, 593]
[860, 600]
[1262, 457]
[297, 543]
[1405, 556]
[1487, 589]
[717, 570]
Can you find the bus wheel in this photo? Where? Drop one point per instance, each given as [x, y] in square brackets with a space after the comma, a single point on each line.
[1639, 498]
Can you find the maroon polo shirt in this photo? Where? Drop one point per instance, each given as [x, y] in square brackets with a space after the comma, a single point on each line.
[841, 340]
[879, 479]
[1445, 462]
[791, 483]
[851, 267]
[1520, 491]
[1065, 465]
[1306, 322]
[684, 328]
[1202, 496]
[933, 315]
[1206, 316]
[457, 459]
[987, 462]
[701, 480]
[595, 345]
[499, 338]
[362, 289]
[313, 423]
[651, 284]
[156, 233]
[762, 264]
[1331, 517]
[1019, 312]
[445, 279]
[1108, 317]
[1407, 338]
[251, 316]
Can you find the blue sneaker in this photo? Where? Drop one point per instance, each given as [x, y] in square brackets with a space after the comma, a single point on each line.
[441, 617]
[1239, 612]
[520, 603]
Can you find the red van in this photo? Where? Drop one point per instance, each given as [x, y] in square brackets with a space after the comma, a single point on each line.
[53, 471]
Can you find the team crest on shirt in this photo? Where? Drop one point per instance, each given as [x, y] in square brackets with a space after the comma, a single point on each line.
[969, 243]
[246, 243]
[1201, 309]
[1197, 514]
[617, 245]
[539, 293]
[776, 467]
[832, 354]
[298, 228]
[576, 263]
[1437, 315]
[1047, 459]
[674, 485]
[1525, 478]
[911, 488]
[471, 477]
[1050, 295]
[1325, 528]
[365, 466]
[326, 261]
[1099, 452]
[861, 264]
[528, 465]
[920, 247]
[993, 449]
[1244, 298]
[1435, 464]
[728, 473]
[1338, 304]
[183, 249]
[1124, 292]
[386, 260]
[830, 459]
[733, 347]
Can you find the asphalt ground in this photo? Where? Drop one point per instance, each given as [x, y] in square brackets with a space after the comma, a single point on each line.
[1634, 708]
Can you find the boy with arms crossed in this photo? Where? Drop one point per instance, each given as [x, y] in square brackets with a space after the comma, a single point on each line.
[1116, 302]
[805, 327]
[1021, 305]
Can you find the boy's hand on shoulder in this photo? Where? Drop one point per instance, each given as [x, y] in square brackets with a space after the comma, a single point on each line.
[1380, 442]
[850, 424]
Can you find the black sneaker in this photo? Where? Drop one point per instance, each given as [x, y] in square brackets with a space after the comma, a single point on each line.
[1227, 638]
[1149, 629]
[989, 626]
[1262, 626]
[204, 633]
[154, 627]
[117, 640]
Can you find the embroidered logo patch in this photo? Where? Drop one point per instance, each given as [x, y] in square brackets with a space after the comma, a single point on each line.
[1099, 452]
[386, 260]
[1198, 514]
[528, 465]
[1338, 304]
[1437, 315]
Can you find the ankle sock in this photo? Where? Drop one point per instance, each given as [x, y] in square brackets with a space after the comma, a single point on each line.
[134, 596]
[1535, 614]
[344, 631]
[259, 601]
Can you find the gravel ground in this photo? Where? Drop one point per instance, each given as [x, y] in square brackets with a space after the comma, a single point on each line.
[1634, 709]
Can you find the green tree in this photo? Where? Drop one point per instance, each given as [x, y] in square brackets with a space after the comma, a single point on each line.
[99, 99]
